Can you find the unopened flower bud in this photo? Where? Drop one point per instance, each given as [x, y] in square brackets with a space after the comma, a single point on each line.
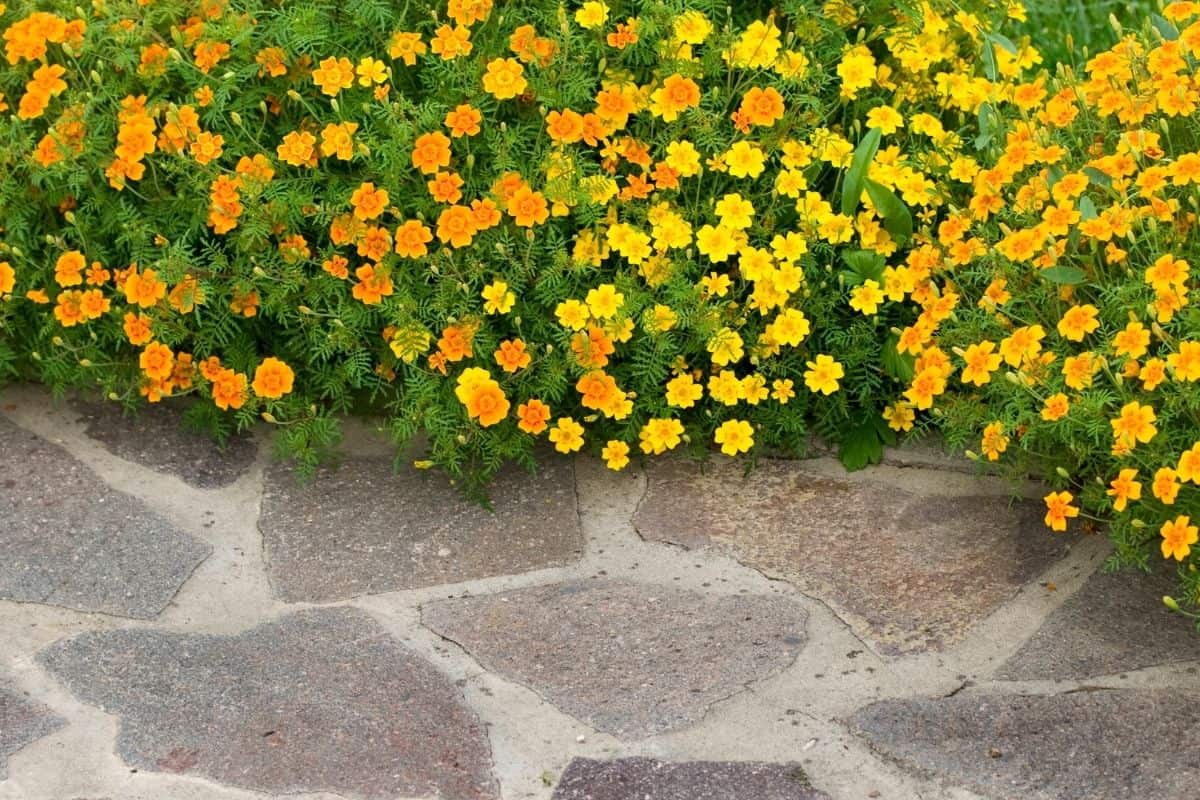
[269, 417]
[1170, 603]
[85, 362]
[236, 117]
[1062, 472]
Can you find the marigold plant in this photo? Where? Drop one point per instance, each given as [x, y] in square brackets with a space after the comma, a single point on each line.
[630, 228]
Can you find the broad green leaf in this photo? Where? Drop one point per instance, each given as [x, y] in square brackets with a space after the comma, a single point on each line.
[989, 60]
[857, 173]
[861, 446]
[897, 219]
[1097, 177]
[1003, 41]
[1164, 27]
[898, 365]
[1087, 209]
[1061, 274]
[866, 264]
[986, 124]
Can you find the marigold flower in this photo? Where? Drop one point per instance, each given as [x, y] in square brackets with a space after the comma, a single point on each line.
[272, 378]
[735, 436]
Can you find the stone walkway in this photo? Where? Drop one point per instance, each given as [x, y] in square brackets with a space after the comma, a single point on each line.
[182, 624]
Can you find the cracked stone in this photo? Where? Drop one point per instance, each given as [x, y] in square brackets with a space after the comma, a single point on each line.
[322, 700]
[1083, 745]
[157, 438]
[626, 778]
[363, 529]
[1115, 623]
[21, 722]
[70, 540]
[909, 572]
[629, 659]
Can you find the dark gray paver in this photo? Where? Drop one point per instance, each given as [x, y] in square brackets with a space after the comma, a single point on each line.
[629, 659]
[639, 778]
[70, 540]
[1114, 623]
[156, 437]
[913, 572]
[319, 700]
[1084, 745]
[363, 529]
[21, 722]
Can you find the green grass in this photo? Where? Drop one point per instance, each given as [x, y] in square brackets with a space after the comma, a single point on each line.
[1086, 22]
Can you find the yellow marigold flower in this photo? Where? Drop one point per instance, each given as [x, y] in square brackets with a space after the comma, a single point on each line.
[1135, 424]
[334, 74]
[900, 416]
[823, 374]
[683, 391]
[505, 78]
[867, 297]
[659, 435]
[783, 390]
[1059, 510]
[615, 455]
[726, 347]
[591, 15]
[1124, 488]
[1055, 407]
[735, 436]
[370, 71]
[981, 361]
[745, 160]
[499, 300]
[1178, 537]
[567, 435]
[994, 441]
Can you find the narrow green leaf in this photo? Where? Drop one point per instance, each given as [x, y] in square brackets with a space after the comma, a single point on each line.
[1164, 27]
[1003, 41]
[857, 173]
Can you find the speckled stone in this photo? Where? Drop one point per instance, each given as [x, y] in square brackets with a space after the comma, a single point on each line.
[363, 529]
[1116, 622]
[323, 700]
[629, 659]
[908, 572]
[638, 778]
[157, 438]
[21, 722]
[70, 540]
[1084, 745]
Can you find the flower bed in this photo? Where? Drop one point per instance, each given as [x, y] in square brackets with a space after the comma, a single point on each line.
[631, 230]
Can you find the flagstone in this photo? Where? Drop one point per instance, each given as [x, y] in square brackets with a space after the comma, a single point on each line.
[322, 700]
[362, 528]
[156, 437]
[71, 540]
[22, 721]
[910, 571]
[1081, 745]
[629, 659]
[628, 778]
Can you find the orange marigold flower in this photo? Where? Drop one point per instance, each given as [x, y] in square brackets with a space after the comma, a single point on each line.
[456, 226]
[511, 355]
[373, 285]
[533, 416]
[157, 361]
[298, 150]
[463, 120]
[229, 389]
[144, 288]
[333, 75]
[368, 202]
[527, 207]
[411, 239]
[431, 152]
[505, 78]
[273, 378]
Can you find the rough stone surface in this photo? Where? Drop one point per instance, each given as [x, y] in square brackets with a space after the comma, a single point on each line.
[913, 572]
[1115, 623]
[1084, 745]
[363, 529]
[156, 437]
[22, 722]
[319, 700]
[630, 778]
[629, 659]
[70, 540]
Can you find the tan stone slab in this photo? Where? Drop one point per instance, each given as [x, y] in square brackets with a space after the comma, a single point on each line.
[910, 571]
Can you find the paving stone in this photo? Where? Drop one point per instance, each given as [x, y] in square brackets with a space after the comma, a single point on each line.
[322, 700]
[638, 778]
[156, 437]
[629, 659]
[363, 529]
[1081, 745]
[910, 572]
[22, 722]
[1116, 622]
[72, 541]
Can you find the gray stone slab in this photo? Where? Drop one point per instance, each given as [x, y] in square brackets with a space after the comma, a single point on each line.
[70, 540]
[22, 721]
[1084, 745]
[323, 700]
[638, 778]
[1116, 622]
[909, 571]
[361, 528]
[628, 659]
[156, 437]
